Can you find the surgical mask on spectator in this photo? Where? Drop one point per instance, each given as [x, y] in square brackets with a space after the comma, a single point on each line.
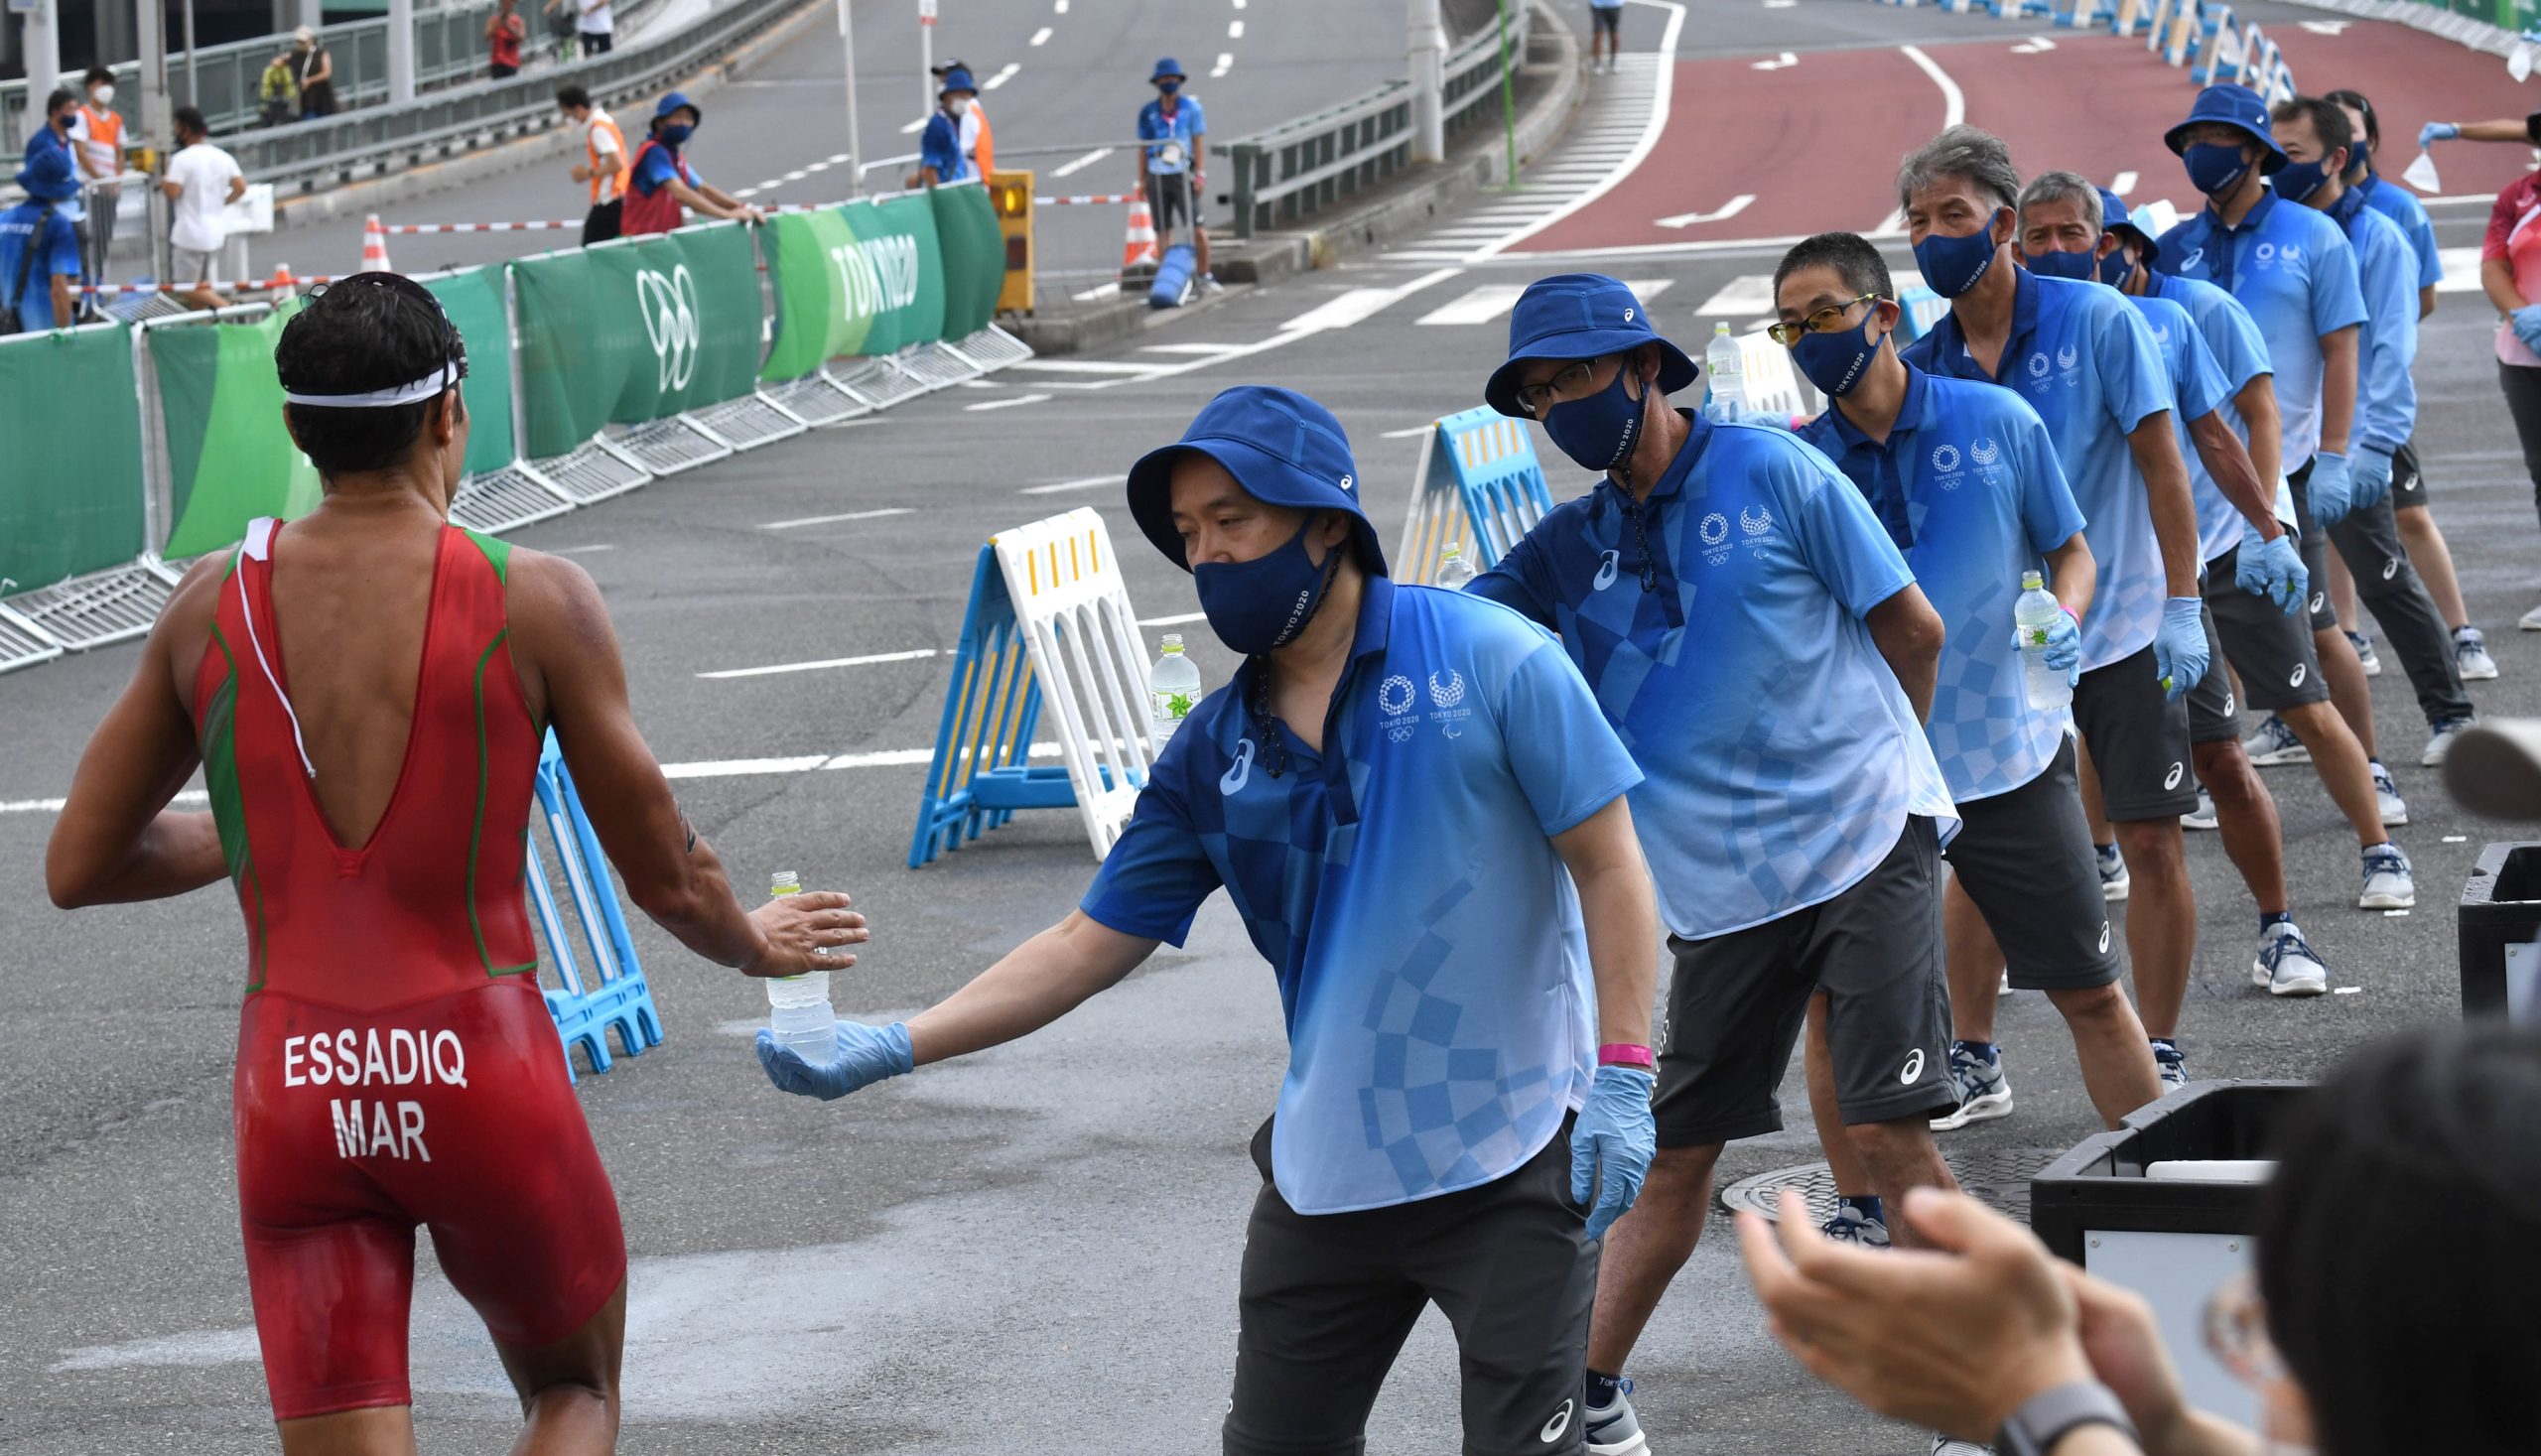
[2215, 169]
[2078, 266]
[1951, 265]
[676, 134]
[2297, 181]
[1260, 606]
[957, 105]
[104, 94]
[1598, 431]
[1169, 86]
[1837, 362]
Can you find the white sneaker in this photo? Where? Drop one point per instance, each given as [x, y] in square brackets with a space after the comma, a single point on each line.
[1849, 1226]
[2439, 742]
[2389, 883]
[2530, 622]
[2114, 881]
[2275, 743]
[2470, 655]
[2386, 796]
[1983, 1091]
[1614, 1430]
[2287, 965]
[2203, 816]
[2364, 654]
[2173, 1067]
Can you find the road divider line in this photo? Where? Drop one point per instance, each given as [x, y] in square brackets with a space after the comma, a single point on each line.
[1226, 62]
[773, 669]
[1235, 30]
[854, 515]
[1071, 168]
[1064, 487]
[1003, 77]
[1003, 404]
[1040, 36]
[1954, 100]
[1183, 619]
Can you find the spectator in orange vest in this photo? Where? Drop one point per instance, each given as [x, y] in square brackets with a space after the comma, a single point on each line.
[604, 163]
[96, 143]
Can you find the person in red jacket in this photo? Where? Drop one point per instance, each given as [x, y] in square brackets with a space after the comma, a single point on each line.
[660, 182]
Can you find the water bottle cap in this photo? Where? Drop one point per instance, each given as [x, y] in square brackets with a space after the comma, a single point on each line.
[1720, 326]
[1451, 550]
[1172, 642]
[784, 882]
[2032, 581]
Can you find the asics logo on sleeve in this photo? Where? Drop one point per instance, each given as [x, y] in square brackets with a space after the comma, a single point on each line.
[1913, 1071]
[2103, 937]
[1232, 782]
[2302, 670]
[2191, 261]
[2172, 779]
[1560, 1422]
[1607, 562]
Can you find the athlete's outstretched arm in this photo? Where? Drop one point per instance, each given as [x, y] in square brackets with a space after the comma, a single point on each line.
[1034, 984]
[115, 839]
[568, 655]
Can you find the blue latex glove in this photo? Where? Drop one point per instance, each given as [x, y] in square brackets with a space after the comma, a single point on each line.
[2064, 642]
[2179, 647]
[2436, 131]
[1612, 1143]
[2273, 570]
[2331, 488]
[2370, 470]
[2526, 323]
[864, 1056]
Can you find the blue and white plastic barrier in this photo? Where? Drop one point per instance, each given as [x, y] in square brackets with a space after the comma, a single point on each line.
[1480, 487]
[615, 994]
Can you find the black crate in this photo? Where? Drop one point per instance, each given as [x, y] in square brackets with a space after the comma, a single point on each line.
[2500, 908]
[2100, 1184]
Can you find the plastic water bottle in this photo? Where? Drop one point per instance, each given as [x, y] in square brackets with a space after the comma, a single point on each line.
[1454, 572]
[798, 1007]
[1173, 689]
[2034, 615]
[1727, 368]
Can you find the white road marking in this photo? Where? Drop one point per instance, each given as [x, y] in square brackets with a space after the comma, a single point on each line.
[1078, 366]
[1226, 62]
[1003, 404]
[1480, 305]
[854, 515]
[1408, 434]
[1784, 62]
[915, 655]
[2124, 184]
[1183, 619]
[2034, 46]
[1040, 36]
[2324, 27]
[1061, 8]
[1071, 168]
[1097, 293]
[1743, 297]
[1235, 30]
[1721, 213]
[582, 550]
[797, 175]
[1954, 100]
[2461, 270]
[1064, 487]
[2346, 990]
[914, 127]
[1663, 85]
[1003, 77]
[1186, 348]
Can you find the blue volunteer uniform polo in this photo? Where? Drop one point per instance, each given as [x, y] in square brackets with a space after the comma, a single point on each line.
[1187, 122]
[1781, 757]
[1983, 502]
[1432, 967]
[2198, 389]
[2240, 355]
[2387, 349]
[941, 149]
[2088, 365]
[56, 251]
[2293, 270]
[2408, 215]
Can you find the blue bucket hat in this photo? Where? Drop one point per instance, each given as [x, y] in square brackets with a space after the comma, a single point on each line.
[2235, 106]
[2116, 219]
[1166, 66]
[673, 102]
[957, 79]
[1579, 316]
[46, 177]
[1282, 447]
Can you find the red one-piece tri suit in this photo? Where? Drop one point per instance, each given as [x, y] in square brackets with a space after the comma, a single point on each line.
[396, 1062]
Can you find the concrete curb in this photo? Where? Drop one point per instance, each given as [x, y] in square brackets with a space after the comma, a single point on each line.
[1403, 208]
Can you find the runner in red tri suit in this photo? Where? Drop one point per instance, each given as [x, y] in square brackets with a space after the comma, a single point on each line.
[365, 690]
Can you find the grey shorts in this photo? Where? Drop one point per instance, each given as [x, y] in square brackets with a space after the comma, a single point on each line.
[2314, 543]
[1172, 201]
[2408, 482]
[2271, 649]
[188, 267]
[2212, 716]
[2138, 737]
[1736, 1005]
[2025, 857]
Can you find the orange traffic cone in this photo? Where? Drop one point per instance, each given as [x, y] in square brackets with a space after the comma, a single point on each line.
[374, 246]
[1139, 250]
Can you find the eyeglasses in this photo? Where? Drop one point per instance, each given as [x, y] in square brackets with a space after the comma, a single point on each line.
[1825, 320]
[1569, 383]
[2236, 1332]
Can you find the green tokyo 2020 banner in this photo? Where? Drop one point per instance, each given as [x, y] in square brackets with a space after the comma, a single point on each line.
[229, 458]
[71, 498]
[974, 257]
[679, 314]
[475, 302]
[867, 277]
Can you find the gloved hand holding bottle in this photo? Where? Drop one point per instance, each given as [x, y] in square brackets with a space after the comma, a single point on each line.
[2179, 646]
[864, 1055]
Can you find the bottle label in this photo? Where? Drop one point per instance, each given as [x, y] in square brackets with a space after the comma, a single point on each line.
[1171, 707]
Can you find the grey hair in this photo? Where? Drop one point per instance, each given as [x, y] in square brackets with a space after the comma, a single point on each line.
[2064, 186]
[1963, 151]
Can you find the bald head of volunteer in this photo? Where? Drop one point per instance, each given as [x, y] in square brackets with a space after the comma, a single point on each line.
[1754, 633]
[1390, 791]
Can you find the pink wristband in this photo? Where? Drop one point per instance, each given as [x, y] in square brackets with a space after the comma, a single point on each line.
[2069, 611]
[1626, 1054]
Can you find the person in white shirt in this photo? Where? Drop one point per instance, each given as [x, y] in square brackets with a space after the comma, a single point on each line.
[200, 180]
[595, 27]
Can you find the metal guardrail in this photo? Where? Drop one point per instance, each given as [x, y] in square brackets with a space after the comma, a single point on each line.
[1316, 160]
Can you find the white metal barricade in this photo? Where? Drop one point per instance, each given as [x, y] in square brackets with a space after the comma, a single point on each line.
[1772, 383]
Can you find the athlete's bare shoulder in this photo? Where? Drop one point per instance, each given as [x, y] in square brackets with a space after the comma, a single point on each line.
[559, 625]
[184, 628]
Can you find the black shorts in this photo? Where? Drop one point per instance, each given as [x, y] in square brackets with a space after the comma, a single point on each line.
[602, 222]
[1170, 200]
[1737, 1003]
[2025, 857]
[2138, 737]
[501, 71]
[2408, 482]
[1326, 1300]
[1609, 18]
[2314, 545]
[597, 43]
[2270, 648]
[2212, 715]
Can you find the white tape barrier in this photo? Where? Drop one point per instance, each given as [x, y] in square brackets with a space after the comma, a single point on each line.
[1065, 581]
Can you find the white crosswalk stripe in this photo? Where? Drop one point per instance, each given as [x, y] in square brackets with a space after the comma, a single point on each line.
[1492, 301]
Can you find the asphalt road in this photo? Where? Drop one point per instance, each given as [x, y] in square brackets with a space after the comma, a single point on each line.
[1035, 1249]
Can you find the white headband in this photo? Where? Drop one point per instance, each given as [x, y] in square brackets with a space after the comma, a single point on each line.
[429, 387]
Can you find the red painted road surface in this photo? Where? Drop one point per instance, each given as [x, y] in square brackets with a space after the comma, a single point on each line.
[1817, 143]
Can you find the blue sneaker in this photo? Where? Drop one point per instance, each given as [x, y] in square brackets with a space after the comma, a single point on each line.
[2173, 1067]
[2439, 742]
[2287, 965]
[1982, 1091]
[1613, 1430]
[2364, 654]
[1851, 1226]
[2114, 881]
[2389, 883]
[2386, 796]
[2275, 743]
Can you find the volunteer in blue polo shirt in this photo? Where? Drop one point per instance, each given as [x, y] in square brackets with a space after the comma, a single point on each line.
[1966, 483]
[1171, 165]
[2428, 550]
[39, 245]
[1390, 791]
[2088, 365]
[939, 147]
[1755, 637]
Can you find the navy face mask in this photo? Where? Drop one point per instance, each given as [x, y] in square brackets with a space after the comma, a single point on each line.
[2359, 153]
[2077, 266]
[1599, 431]
[676, 134]
[2114, 267]
[1260, 606]
[2297, 181]
[1952, 265]
[1837, 362]
[2215, 169]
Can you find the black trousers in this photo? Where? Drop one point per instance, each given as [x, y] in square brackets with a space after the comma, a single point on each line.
[2522, 385]
[2369, 541]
